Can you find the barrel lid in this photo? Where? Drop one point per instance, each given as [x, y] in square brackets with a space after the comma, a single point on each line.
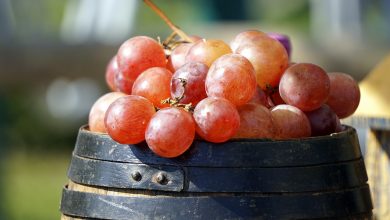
[337, 147]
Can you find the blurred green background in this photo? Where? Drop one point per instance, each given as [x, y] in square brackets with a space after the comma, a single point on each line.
[53, 56]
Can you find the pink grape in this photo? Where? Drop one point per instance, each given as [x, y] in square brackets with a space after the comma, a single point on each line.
[260, 98]
[111, 73]
[245, 38]
[290, 122]
[231, 77]
[126, 119]
[137, 55]
[178, 56]
[98, 111]
[305, 86]
[269, 59]
[207, 51]
[195, 75]
[170, 132]
[344, 95]
[255, 122]
[322, 121]
[217, 119]
[154, 84]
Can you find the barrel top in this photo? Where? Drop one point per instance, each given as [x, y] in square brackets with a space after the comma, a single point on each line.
[337, 147]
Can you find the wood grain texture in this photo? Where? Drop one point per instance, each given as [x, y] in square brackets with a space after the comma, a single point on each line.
[339, 147]
[86, 202]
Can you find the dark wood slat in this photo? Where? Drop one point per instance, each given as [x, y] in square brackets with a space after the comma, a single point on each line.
[343, 146]
[212, 179]
[332, 205]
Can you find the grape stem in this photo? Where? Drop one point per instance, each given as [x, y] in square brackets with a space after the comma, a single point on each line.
[175, 29]
[175, 101]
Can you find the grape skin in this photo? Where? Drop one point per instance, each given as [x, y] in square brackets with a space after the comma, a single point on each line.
[344, 94]
[126, 119]
[154, 84]
[137, 55]
[244, 38]
[194, 91]
[255, 122]
[322, 121]
[207, 51]
[112, 70]
[98, 111]
[269, 59]
[217, 119]
[290, 121]
[231, 77]
[178, 56]
[170, 132]
[305, 85]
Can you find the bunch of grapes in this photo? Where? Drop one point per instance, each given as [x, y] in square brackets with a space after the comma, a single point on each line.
[169, 93]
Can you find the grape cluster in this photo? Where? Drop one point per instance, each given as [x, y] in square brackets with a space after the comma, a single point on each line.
[168, 94]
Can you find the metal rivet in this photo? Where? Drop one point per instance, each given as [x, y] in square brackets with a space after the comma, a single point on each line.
[161, 178]
[136, 175]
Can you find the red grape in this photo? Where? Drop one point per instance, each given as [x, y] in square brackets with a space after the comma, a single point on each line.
[216, 119]
[344, 94]
[231, 77]
[244, 38]
[260, 98]
[137, 55]
[154, 84]
[290, 122]
[283, 39]
[269, 59]
[305, 86]
[111, 73]
[195, 75]
[206, 51]
[178, 56]
[170, 132]
[322, 121]
[275, 99]
[126, 119]
[98, 111]
[255, 122]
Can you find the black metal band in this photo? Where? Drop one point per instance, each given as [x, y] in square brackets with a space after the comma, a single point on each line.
[211, 179]
[343, 146]
[332, 205]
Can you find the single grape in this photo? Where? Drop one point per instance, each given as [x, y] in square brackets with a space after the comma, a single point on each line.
[126, 119]
[260, 98]
[275, 99]
[194, 90]
[217, 119]
[344, 94]
[178, 56]
[269, 59]
[207, 51]
[170, 132]
[154, 84]
[122, 83]
[305, 86]
[137, 55]
[322, 121]
[111, 72]
[244, 38]
[283, 39]
[98, 111]
[255, 122]
[290, 122]
[231, 77]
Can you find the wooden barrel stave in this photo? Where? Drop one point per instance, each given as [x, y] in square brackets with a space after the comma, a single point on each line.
[311, 178]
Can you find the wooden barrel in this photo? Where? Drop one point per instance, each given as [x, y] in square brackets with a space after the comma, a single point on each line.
[312, 178]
